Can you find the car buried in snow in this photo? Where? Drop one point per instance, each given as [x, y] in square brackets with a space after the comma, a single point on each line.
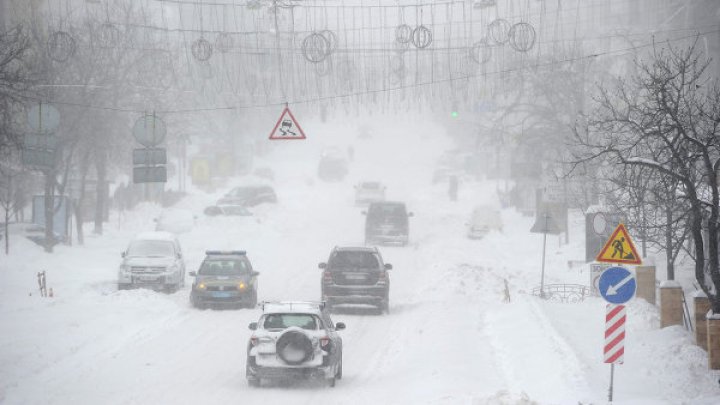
[225, 278]
[294, 340]
[249, 196]
[356, 275]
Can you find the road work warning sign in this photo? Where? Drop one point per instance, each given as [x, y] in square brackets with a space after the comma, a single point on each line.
[619, 248]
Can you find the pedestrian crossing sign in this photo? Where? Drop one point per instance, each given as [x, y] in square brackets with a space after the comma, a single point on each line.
[619, 248]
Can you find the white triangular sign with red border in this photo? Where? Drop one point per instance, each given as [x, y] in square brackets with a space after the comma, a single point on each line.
[287, 127]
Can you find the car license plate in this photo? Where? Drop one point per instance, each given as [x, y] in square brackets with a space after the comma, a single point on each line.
[355, 277]
[146, 278]
[221, 294]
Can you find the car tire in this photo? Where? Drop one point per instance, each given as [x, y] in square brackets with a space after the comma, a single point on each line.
[124, 286]
[339, 372]
[331, 382]
[386, 305]
[253, 382]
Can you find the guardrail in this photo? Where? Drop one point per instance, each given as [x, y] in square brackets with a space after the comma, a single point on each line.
[571, 293]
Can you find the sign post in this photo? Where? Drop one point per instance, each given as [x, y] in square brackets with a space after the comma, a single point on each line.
[545, 226]
[617, 285]
[149, 163]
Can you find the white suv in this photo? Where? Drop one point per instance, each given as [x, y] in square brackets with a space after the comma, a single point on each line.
[154, 260]
[369, 191]
[294, 340]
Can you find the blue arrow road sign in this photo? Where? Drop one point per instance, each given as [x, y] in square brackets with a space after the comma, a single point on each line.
[617, 285]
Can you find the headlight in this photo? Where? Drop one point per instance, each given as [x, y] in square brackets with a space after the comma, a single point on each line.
[201, 286]
[124, 268]
[241, 286]
[172, 269]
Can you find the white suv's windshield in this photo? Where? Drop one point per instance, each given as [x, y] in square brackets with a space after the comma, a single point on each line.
[151, 248]
[282, 321]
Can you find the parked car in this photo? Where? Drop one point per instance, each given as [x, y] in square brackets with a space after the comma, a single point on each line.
[356, 275]
[227, 209]
[369, 191]
[294, 340]
[225, 278]
[175, 221]
[387, 222]
[152, 260]
[249, 196]
[34, 232]
[484, 219]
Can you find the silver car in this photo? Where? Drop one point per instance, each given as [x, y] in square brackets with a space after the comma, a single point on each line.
[152, 260]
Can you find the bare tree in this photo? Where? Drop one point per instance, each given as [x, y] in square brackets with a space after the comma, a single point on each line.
[14, 79]
[667, 119]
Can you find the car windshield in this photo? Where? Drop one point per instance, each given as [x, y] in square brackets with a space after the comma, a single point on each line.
[370, 185]
[389, 210]
[223, 267]
[242, 192]
[151, 248]
[282, 321]
[353, 260]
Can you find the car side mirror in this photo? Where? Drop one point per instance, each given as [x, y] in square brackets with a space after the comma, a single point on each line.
[253, 326]
[364, 212]
[339, 326]
[193, 274]
[178, 255]
[255, 273]
[322, 266]
[410, 214]
[123, 254]
[388, 266]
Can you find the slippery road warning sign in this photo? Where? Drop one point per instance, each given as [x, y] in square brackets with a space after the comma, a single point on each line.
[287, 127]
[619, 248]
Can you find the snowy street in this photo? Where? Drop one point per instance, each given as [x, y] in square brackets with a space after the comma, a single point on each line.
[450, 336]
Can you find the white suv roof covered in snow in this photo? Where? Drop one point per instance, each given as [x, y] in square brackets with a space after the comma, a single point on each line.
[275, 307]
[156, 235]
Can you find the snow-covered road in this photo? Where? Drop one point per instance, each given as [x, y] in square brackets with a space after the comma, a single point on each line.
[450, 337]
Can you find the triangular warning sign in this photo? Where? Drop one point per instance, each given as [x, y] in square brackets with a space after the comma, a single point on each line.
[287, 127]
[619, 248]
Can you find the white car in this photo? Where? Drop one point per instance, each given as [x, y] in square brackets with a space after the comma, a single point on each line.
[175, 221]
[294, 340]
[484, 219]
[369, 191]
[153, 260]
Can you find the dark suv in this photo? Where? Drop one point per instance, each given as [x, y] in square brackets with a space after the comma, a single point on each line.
[225, 278]
[386, 222]
[356, 275]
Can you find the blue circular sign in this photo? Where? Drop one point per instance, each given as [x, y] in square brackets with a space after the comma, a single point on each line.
[617, 285]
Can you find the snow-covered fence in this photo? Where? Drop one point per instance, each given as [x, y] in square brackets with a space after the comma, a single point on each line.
[571, 293]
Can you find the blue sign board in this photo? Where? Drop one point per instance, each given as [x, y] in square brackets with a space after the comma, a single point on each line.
[617, 285]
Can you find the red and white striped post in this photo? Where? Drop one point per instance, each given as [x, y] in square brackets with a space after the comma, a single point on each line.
[614, 349]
